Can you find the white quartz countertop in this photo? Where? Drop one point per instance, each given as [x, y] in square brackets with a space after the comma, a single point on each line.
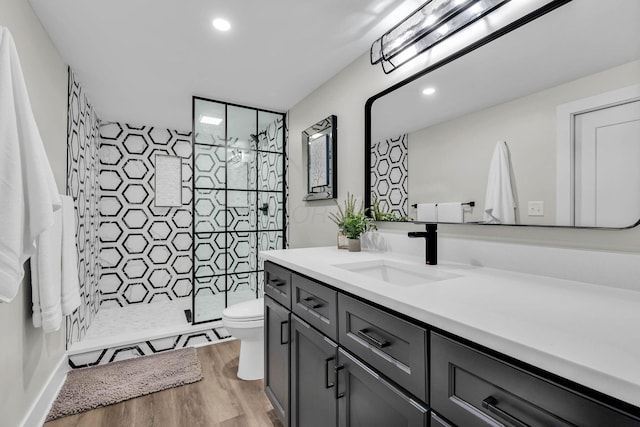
[583, 332]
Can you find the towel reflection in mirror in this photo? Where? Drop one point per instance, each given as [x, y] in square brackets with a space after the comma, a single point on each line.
[500, 204]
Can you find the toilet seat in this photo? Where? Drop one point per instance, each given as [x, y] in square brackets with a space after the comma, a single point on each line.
[245, 312]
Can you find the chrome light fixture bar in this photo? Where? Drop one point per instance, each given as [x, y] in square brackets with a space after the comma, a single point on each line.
[430, 24]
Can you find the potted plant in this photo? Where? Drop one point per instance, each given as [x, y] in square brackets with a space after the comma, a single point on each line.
[352, 222]
[380, 213]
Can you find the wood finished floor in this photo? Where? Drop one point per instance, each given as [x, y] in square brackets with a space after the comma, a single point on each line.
[220, 399]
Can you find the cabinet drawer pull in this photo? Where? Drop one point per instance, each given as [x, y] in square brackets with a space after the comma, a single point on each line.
[326, 372]
[375, 340]
[336, 372]
[277, 282]
[282, 340]
[490, 405]
[310, 302]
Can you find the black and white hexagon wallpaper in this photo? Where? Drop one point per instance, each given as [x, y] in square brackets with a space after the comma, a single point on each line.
[82, 184]
[390, 174]
[145, 250]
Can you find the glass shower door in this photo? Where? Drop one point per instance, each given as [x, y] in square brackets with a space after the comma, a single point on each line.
[238, 202]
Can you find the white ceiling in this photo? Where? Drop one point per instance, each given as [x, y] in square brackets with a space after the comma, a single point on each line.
[140, 61]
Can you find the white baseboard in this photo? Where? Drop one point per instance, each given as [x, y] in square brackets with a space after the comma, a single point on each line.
[40, 408]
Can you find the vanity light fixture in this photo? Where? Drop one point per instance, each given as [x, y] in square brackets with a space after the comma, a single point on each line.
[429, 91]
[208, 120]
[430, 24]
[221, 24]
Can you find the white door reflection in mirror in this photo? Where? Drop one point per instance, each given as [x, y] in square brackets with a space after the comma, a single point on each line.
[607, 177]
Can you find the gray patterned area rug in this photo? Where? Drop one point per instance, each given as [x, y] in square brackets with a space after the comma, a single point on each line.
[96, 386]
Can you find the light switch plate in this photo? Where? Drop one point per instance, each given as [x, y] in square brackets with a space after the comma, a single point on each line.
[535, 208]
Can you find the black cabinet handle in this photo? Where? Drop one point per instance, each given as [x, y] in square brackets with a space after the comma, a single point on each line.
[282, 341]
[490, 405]
[375, 340]
[336, 372]
[276, 282]
[326, 372]
[311, 303]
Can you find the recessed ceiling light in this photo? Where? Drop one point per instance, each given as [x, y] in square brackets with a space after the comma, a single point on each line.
[208, 120]
[221, 24]
[429, 91]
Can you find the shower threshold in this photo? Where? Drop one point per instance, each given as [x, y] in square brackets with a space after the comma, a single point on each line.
[118, 333]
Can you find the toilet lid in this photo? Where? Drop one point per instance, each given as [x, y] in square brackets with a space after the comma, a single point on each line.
[245, 311]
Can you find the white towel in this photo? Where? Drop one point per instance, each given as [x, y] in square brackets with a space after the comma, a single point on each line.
[427, 212]
[46, 277]
[70, 287]
[499, 205]
[28, 191]
[450, 212]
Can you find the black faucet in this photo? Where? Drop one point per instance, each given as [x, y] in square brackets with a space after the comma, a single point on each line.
[431, 242]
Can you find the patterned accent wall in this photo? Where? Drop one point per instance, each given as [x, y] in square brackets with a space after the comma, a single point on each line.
[146, 250]
[82, 184]
[390, 174]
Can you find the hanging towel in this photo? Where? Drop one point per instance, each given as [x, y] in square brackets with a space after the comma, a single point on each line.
[427, 212]
[450, 212]
[46, 277]
[499, 205]
[70, 287]
[28, 191]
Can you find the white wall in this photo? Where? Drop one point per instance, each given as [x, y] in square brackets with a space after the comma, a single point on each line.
[27, 356]
[345, 95]
[449, 161]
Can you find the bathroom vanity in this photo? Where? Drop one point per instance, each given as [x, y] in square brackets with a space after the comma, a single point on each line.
[377, 340]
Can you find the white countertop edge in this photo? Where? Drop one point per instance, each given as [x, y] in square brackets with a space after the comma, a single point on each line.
[613, 385]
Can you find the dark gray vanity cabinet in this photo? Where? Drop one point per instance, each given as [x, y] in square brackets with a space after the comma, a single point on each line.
[276, 357]
[471, 388]
[367, 399]
[313, 358]
[353, 365]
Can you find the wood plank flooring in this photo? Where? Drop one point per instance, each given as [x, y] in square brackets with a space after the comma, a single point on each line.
[220, 399]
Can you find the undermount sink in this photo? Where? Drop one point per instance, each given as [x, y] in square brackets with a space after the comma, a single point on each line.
[397, 273]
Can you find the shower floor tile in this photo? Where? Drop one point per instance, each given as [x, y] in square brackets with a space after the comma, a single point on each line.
[116, 326]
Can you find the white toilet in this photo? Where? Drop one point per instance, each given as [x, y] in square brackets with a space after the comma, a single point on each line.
[245, 321]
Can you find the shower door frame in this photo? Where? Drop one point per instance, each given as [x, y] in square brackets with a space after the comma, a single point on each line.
[257, 230]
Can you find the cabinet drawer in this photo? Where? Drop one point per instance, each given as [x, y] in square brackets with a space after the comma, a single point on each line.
[471, 388]
[316, 304]
[277, 283]
[395, 347]
[367, 399]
